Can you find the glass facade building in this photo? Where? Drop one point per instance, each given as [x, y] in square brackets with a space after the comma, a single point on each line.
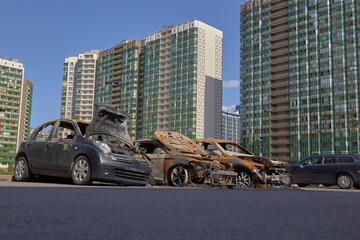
[15, 109]
[314, 53]
[164, 81]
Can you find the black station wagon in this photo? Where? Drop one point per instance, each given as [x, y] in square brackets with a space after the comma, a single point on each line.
[328, 169]
[101, 150]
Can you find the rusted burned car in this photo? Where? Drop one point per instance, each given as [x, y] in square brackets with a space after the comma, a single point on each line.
[250, 168]
[177, 161]
[101, 150]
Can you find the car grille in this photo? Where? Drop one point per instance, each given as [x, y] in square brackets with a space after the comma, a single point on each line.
[131, 175]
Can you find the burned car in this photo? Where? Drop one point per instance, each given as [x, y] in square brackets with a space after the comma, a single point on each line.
[177, 161]
[101, 150]
[250, 168]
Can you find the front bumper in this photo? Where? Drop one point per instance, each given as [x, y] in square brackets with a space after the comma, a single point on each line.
[223, 178]
[130, 173]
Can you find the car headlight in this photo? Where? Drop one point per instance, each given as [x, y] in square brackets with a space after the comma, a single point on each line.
[103, 146]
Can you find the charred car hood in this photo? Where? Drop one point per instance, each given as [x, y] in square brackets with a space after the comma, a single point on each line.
[108, 120]
[179, 143]
[263, 160]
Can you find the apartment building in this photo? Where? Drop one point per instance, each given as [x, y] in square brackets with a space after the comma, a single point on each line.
[171, 80]
[78, 86]
[231, 126]
[25, 111]
[13, 102]
[299, 73]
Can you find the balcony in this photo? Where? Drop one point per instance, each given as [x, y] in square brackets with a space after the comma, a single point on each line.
[280, 5]
[279, 60]
[278, 13]
[280, 125]
[279, 76]
[278, 21]
[279, 117]
[279, 36]
[279, 68]
[280, 109]
[280, 150]
[280, 84]
[279, 100]
[279, 52]
[279, 44]
[279, 29]
[279, 92]
[280, 133]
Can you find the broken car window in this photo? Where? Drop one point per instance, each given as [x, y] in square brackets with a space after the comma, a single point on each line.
[43, 134]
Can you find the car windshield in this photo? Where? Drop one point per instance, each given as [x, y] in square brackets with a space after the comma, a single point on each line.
[232, 147]
[117, 145]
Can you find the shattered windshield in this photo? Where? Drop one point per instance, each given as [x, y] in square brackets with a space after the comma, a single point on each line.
[117, 145]
[234, 148]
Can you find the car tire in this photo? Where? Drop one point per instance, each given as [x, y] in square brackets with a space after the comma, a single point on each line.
[288, 182]
[301, 185]
[244, 179]
[21, 170]
[344, 181]
[81, 171]
[178, 176]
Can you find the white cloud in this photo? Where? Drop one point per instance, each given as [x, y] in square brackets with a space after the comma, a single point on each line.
[230, 108]
[231, 84]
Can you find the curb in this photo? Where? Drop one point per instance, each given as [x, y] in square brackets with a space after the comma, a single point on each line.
[5, 178]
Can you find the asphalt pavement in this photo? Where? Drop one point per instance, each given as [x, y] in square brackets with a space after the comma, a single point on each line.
[36, 211]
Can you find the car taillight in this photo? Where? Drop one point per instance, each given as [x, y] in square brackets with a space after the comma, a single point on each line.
[359, 171]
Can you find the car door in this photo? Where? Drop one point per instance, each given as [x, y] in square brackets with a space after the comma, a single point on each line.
[326, 171]
[157, 156]
[35, 147]
[305, 171]
[57, 152]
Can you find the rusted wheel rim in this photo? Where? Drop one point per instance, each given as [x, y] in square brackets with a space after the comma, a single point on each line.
[179, 176]
[244, 180]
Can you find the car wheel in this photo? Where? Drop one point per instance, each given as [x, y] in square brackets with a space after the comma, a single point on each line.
[81, 172]
[21, 170]
[301, 185]
[344, 181]
[287, 181]
[244, 180]
[178, 176]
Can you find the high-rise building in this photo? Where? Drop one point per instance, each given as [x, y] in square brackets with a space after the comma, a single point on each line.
[13, 102]
[231, 126]
[182, 72]
[78, 86]
[299, 73]
[104, 76]
[25, 111]
[171, 80]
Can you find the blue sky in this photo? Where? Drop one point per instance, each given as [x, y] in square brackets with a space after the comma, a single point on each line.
[42, 33]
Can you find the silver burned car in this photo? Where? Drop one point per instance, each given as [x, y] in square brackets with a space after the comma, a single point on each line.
[101, 150]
